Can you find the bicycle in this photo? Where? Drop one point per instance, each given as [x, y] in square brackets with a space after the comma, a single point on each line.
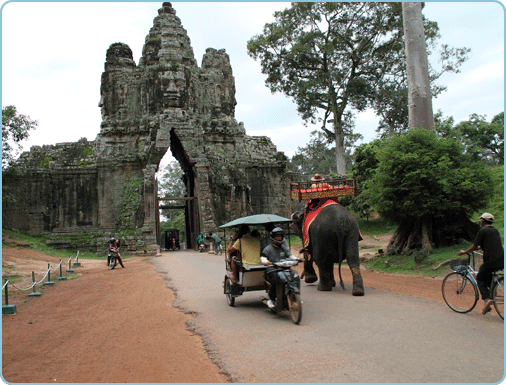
[460, 289]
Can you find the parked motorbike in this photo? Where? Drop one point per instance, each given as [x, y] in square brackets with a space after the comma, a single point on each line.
[202, 247]
[287, 289]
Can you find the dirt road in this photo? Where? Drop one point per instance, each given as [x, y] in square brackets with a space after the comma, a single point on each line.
[70, 333]
[105, 326]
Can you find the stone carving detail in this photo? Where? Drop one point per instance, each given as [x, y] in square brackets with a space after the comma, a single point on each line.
[166, 102]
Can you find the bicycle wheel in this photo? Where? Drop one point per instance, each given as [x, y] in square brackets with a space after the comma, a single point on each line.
[459, 293]
[498, 296]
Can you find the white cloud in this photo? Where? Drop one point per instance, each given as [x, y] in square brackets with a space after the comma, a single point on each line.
[492, 71]
[286, 138]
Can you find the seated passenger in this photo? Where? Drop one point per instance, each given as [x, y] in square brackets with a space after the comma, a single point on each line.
[318, 182]
[247, 248]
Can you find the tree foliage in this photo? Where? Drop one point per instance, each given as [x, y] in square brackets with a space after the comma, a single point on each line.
[328, 56]
[481, 139]
[170, 184]
[335, 57]
[429, 186]
[316, 157]
[484, 140]
[364, 167]
[15, 128]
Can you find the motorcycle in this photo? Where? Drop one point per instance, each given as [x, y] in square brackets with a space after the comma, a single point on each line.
[287, 289]
[113, 261]
[202, 247]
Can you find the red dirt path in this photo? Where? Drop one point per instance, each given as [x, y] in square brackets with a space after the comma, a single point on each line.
[118, 326]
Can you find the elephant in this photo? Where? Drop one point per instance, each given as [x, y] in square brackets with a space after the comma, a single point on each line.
[334, 234]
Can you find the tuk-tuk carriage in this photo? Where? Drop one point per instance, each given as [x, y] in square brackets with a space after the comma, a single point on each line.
[252, 278]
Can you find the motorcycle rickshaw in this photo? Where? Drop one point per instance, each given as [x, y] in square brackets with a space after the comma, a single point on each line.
[252, 278]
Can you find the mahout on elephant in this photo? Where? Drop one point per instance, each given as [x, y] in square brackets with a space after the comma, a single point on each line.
[330, 234]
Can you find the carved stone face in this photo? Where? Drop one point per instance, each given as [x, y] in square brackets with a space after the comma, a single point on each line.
[150, 51]
[173, 85]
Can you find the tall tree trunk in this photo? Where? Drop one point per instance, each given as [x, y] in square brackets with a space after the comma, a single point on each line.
[419, 96]
[340, 151]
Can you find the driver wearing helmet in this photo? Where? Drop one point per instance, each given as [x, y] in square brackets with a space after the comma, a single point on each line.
[275, 252]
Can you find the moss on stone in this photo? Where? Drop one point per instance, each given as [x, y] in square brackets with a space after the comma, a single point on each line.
[130, 202]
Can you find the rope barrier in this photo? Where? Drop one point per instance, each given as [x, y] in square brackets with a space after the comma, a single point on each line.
[10, 309]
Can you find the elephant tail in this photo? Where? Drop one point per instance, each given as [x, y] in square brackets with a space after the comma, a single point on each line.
[341, 278]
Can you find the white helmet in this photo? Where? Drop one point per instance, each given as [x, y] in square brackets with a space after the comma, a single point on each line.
[487, 217]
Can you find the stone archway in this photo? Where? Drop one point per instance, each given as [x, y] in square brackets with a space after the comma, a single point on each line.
[168, 102]
[165, 103]
[188, 201]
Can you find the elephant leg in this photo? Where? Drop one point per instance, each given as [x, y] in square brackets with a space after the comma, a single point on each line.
[326, 282]
[326, 269]
[358, 283]
[352, 256]
[309, 271]
[332, 279]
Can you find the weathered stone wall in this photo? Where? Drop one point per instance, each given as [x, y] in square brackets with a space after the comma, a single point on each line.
[166, 103]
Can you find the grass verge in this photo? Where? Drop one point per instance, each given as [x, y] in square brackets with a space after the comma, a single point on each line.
[38, 243]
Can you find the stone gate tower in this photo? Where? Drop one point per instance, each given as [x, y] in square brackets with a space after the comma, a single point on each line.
[165, 103]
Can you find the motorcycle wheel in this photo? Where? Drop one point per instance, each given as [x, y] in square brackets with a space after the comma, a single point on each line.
[228, 291]
[295, 307]
[112, 263]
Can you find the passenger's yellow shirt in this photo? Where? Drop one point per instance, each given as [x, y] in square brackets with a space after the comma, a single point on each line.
[250, 250]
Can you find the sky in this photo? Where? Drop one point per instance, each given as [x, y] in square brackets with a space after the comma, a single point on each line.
[53, 56]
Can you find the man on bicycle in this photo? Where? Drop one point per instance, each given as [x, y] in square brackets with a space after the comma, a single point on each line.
[489, 240]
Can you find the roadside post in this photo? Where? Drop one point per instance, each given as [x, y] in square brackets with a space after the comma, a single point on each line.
[34, 293]
[7, 309]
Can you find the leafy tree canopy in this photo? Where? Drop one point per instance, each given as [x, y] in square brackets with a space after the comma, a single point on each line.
[316, 157]
[170, 184]
[365, 163]
[15, 128]
[335, 57]
[484, 140]
[420, 173]
[425, 179]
